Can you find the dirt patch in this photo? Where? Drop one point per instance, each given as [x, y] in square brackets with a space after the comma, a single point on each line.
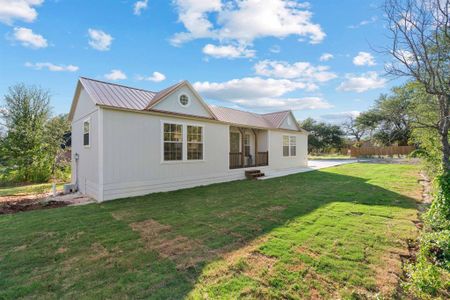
[23, 198]
[387, 275]
[98, 251]
[11, 207]
[259, 263]
[185, 252]
[15, 204]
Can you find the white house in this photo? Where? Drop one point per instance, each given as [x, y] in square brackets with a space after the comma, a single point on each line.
[129, 142]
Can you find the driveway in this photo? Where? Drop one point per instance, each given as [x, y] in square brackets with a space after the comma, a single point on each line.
[312, 165]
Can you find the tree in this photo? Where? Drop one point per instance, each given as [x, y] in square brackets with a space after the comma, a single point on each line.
[355, 129]
[55, 134]
[369, 120]
[24, 116]
[420, 33]
[322, 137]
[393, 119]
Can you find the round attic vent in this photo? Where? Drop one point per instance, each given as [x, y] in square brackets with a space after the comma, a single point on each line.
[183, 99]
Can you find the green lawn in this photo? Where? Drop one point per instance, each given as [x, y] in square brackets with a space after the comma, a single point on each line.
[30, 189]
[331, 233]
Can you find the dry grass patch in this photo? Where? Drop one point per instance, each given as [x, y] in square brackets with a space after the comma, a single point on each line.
[185, 252]
[276, 208]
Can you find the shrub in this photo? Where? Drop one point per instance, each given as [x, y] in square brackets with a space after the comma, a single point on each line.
[429, 276]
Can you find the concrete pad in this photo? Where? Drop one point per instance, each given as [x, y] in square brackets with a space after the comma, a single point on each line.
[312, 165]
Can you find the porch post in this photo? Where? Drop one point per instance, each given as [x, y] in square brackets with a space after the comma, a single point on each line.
[256, 147]
[242, 147]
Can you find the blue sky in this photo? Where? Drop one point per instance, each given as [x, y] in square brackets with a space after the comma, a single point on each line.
[317, 58]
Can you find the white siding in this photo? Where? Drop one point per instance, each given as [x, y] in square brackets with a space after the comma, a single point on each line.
[277, 160]
[133, 156]
[289, 123]
[87, 168]
[195, 108]
[125, 154]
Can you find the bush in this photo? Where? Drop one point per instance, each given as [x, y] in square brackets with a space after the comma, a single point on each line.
[438, 217]
[429, 277]
[425, 280]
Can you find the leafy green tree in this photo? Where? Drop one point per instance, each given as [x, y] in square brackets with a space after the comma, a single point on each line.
[323, 137]
[25, 113]
[394, 125]
[55, 131]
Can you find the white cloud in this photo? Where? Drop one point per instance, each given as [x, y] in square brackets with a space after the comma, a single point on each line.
[362, 83]
[139, 6]
[28, 38]
[275, 49]
[273, 104]
[246, 20]
[155, 77]
[299, 70]
[99, 39]
[405, 56]
[260, 94]
[228, 51]
[116, 75]
[340, 116]
[364, 59]
[11, 10]
[373, 19]
[52, 67]
[326, 57]
[249, 88]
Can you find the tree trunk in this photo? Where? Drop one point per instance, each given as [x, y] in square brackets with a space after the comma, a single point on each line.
[444, 125]
[445, 153]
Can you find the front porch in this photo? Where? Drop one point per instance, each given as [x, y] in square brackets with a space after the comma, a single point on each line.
[248, 148]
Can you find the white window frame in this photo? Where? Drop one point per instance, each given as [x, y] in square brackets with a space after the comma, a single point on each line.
[184, 142]
[202, 142]
[89, 132]
[290, 138]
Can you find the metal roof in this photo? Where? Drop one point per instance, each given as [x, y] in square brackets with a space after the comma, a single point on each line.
[276, 118]
[120, 96]
[239, 117]
[111, 94]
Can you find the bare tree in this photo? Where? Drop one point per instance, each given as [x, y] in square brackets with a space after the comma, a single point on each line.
[352, 128]
[420, 33]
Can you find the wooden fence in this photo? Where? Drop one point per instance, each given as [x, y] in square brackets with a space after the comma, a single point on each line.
[379, 151]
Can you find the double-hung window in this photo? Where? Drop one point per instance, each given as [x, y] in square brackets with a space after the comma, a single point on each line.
[86, 133]
[194, 142]
[289, 145]
[173, 142]
[182, 142]
[293, 146]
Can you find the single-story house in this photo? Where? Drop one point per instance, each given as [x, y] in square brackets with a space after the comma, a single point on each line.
[129, 142]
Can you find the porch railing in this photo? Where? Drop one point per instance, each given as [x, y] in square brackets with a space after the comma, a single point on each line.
[237, 161]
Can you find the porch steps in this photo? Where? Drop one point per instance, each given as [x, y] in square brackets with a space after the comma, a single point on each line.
[253, 174]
